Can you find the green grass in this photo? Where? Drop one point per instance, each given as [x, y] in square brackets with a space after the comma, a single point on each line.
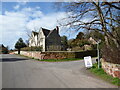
[60, 60]
[100, 73]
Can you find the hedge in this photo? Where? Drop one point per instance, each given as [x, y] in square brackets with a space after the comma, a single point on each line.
[65, 54]
[92, 53]
[31, 49]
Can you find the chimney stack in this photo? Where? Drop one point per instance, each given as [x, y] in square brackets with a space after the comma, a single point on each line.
[57, 29]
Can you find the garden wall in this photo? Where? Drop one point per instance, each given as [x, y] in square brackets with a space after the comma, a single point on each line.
[111, 69]
[58, 54]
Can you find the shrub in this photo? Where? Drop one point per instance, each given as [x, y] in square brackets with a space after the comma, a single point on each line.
[111, 55]
[82, 54]
[77, 48]
[84, 42]
[32, 49]
[92, 53]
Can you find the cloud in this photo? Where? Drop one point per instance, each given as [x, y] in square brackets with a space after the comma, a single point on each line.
[17, 7]
[15, 23]
[23, 2]
[46, 21]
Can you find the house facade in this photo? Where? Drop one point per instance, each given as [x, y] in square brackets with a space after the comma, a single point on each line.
[49, 40]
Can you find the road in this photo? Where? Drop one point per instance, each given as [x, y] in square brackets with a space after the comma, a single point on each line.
[21, 72]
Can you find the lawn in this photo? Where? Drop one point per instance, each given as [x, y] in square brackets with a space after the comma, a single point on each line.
[60, 60]
[100, 73]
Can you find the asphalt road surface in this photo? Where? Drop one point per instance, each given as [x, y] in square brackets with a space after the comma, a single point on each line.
[21, 72]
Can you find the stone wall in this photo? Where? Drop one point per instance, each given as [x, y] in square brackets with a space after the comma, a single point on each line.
[110, 68]
[47, 55]
[57, 54]
[35, 54]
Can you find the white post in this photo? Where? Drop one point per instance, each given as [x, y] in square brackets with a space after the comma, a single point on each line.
[98, 55]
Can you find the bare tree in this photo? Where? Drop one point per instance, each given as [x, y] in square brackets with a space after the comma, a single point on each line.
[100, 16]
[29, 34]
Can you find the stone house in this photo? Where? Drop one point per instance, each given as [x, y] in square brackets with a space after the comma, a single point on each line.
[3, 49]
[49, 40]
[92, 40]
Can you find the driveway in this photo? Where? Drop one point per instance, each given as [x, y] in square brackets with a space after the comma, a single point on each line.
[21, 72]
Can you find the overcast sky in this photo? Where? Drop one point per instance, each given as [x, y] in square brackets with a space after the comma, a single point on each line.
[17, 17]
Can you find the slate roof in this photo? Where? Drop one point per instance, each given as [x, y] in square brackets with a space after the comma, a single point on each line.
[35, 33]
[46, 32]
[1, 45]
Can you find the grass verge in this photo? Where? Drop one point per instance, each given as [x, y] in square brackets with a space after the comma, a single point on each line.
[61, 60]
[100, 73]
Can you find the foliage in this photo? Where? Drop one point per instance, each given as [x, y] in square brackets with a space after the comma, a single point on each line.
[77, 48]
[111, 55]
[100, 72]
[69, 43]
[103, 18]
[20, 44]
[82, 54]
[83, 42]
[97, 35]
[64, 42]
[80, 43]
[80, 35]
[32, 49]
[94, 46]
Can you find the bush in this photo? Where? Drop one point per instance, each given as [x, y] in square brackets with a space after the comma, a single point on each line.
[111, 55]
[94, 46]
[81, 55]
[92, 53]
[77, 48]
[31, 49]
[83, 42]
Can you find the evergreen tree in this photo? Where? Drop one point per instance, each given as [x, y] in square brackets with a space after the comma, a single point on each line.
[20, 44]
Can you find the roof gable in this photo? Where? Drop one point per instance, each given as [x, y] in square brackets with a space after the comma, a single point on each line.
[34, 33]
[45, 32]
[52, 31]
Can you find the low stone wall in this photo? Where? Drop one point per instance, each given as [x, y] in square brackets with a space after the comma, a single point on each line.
[110, 68]
[35, 54]
[57, 54]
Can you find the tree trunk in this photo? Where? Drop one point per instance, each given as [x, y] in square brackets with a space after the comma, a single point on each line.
[19, 51]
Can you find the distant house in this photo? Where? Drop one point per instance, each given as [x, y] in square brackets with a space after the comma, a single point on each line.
[3, 49]
[92, 40]
[49, 40]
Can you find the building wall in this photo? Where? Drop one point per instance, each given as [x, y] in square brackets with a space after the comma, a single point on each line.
[53, 42]
[50, 43]
[33, 40]
[41, 40]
